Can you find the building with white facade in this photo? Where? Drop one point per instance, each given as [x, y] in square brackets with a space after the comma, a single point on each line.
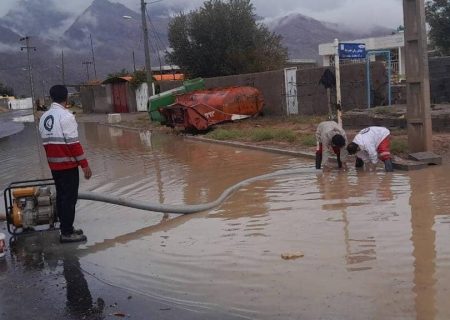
[394, 43]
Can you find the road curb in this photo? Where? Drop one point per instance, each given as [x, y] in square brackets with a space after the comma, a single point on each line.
[304, 154]
[399, 163]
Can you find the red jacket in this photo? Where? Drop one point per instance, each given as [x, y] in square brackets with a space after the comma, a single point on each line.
[59, 133]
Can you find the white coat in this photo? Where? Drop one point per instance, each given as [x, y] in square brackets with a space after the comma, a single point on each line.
[368, 141]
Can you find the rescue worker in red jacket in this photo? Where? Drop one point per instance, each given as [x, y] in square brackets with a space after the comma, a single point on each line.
[59, 132]
[330, 138]
[371, 144]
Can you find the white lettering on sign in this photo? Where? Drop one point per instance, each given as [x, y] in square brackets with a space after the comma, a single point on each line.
[209, 115]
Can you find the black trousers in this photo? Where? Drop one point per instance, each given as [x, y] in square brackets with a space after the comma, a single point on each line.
[67, 182]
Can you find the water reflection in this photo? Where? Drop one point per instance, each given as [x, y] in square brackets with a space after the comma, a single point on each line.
[246, 211]
[345, 191]
[423, 238]
[79, 299]
[41, 252]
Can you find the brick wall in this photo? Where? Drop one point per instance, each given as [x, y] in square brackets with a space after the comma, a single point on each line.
[270, 83]
[440, 79]
[96, 99]
[312, 97]
[168, 85]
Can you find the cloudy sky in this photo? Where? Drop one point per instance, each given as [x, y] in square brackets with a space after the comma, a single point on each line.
[356, 13]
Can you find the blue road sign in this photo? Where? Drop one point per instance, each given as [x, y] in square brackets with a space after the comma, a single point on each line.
[352, 50]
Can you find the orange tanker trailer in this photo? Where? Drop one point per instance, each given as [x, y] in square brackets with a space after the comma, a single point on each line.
[201, 109]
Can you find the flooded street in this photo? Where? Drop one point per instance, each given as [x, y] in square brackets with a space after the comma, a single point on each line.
[375, 245]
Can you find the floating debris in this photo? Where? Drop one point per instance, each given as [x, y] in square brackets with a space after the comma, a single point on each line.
[292, 255]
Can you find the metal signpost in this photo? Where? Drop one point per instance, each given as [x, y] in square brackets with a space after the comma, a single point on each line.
[345, 51]
[337, 72]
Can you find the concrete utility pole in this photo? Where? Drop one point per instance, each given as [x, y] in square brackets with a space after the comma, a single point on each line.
[30, 75]
[417, 77]
[87, 63]
[93, 57]
[30, 70]
[148, 67]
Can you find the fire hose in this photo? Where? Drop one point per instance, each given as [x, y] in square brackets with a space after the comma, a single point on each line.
[183, 208]
[187, 209]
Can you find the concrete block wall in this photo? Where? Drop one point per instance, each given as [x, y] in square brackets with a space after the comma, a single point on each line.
[312, 97]
[439, 79]
[96, 99]
[270, 83]
[169, 85]
[399, 94]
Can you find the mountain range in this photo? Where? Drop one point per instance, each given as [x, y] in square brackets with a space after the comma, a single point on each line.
[116, 33]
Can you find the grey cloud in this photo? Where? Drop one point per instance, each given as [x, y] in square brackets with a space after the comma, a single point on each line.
[360, 13]
[4, 47]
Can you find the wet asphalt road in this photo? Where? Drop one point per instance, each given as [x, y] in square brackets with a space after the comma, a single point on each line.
[44, 280]
[8, 126]
[375, 245]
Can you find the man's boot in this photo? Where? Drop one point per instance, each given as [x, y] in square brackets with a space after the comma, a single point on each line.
[388, 165]
[72, 237]
[318, 160]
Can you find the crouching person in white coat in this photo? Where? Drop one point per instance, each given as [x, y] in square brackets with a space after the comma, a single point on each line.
[330, 139]
[371, 144]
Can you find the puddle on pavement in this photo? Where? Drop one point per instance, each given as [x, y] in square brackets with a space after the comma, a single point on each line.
[375, 245]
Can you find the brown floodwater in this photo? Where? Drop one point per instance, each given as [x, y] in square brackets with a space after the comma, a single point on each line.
[375, 245]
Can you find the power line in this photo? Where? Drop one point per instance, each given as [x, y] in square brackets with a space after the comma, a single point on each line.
[93, 56]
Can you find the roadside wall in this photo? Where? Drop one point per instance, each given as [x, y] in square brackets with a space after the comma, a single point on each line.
[96, 99]
[439, 79]
[312, 97]
[169, 85]
[21, 104]
[270, 83]
[4, 102]
[439, 72]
